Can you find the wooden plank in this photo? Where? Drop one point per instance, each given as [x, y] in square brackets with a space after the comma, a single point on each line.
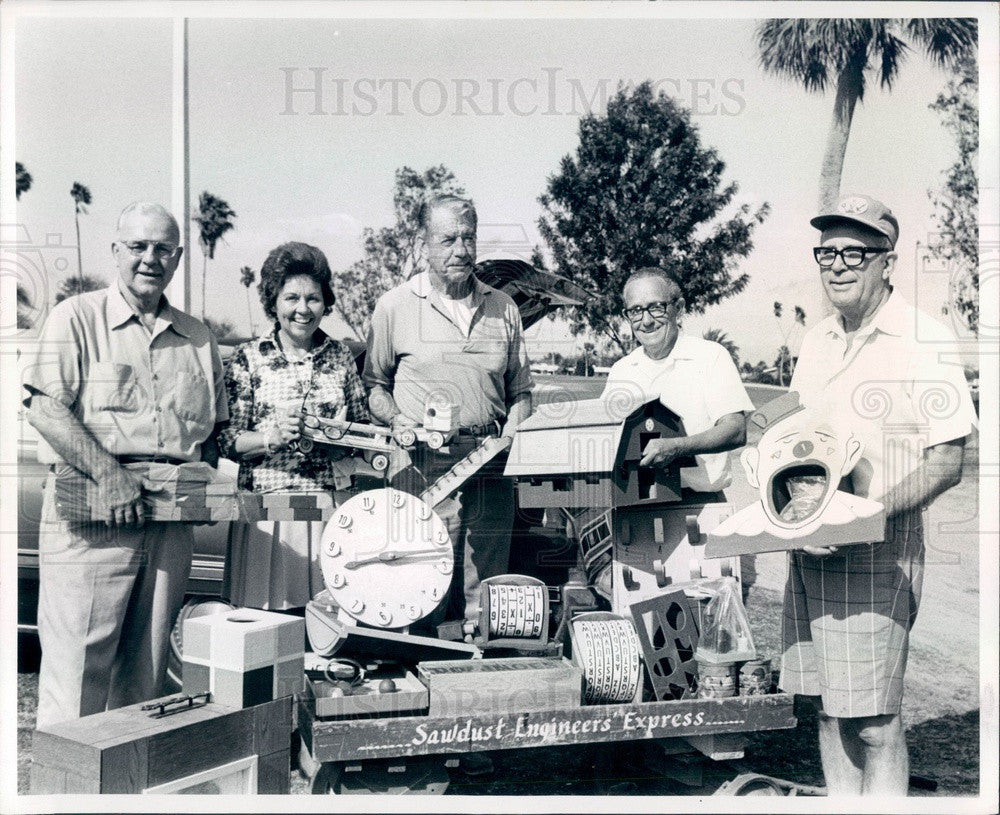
[384, 738]
[272, 726]
[858, 530]
[124, 767]
[199, 746]
[274, 773]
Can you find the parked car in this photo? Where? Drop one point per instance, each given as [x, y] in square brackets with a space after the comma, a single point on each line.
[536, 294]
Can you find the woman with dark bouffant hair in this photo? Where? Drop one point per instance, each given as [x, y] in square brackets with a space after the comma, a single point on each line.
[271, 382]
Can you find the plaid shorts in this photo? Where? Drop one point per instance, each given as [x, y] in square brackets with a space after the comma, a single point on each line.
[847, 620]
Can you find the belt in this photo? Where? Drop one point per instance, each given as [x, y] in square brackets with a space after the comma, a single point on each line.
[482, 430]
[150, 460]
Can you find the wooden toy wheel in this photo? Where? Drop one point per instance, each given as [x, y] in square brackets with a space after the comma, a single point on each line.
[305, 444]
[435, 441]
[407, 437]
[380, 462]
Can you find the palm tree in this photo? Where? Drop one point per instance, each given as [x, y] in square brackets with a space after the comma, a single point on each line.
[23, 179]
[72, 286]
[715, 335]
[800, 319]
[247, 278]
[81, 198]
[214, 219]
[842, 52]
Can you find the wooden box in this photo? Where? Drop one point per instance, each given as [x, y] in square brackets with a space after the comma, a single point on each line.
[366, 699]
[503, 684]
[207, 749]
[244, 656]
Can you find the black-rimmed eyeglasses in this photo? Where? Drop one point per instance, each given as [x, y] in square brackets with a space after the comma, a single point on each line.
[656, 310]
[852, 256]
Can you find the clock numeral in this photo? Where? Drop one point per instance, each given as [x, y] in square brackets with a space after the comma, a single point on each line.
[332, 548]
[423, 511]
[444, 566]
[441, 537]
[368, 504]
[356, 606]
[398, 499]
[384, 616]
[344, 520]
[337, 580]
[414, 612]
[435, 593]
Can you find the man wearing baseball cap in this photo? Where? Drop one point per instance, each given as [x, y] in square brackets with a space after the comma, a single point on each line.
[848, 610]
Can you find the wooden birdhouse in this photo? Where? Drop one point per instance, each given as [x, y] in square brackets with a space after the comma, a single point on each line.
[635, 485]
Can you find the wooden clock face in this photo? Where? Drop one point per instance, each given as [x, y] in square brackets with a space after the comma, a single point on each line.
[387, 558]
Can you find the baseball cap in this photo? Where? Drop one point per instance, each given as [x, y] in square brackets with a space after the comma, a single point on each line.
[861, 209]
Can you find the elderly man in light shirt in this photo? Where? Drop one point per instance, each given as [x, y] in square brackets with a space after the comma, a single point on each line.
[892, 375]
[693, 377]
[122, 377]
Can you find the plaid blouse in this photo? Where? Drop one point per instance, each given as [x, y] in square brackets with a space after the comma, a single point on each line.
[260, 378]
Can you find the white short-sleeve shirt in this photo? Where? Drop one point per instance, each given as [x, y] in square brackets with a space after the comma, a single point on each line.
[698, 381]
[900, 387]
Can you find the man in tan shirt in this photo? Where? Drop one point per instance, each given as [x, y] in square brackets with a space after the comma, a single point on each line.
[121, 376]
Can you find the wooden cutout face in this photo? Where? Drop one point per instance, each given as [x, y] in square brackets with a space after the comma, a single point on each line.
[800, 446]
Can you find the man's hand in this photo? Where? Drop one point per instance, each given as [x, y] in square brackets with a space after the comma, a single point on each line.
[819, 551]
[121, 492]
[660, 452]
[398, 425]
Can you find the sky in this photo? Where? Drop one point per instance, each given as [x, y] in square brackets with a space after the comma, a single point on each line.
[496, 101]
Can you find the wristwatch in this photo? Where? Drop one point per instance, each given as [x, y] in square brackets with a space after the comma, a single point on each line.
[387, 558]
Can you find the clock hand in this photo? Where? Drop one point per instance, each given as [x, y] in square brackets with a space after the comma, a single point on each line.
[390, 555]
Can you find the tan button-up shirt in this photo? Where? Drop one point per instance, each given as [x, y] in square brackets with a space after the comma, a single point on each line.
[416, 351]
[140, 393]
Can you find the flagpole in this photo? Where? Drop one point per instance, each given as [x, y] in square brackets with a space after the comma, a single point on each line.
[179, 291]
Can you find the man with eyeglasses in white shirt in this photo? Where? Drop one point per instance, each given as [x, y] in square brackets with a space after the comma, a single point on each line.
[695, 378]
[121, 377]
[902, 392]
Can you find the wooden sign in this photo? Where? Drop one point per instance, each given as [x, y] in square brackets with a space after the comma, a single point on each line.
[127, 751]
[427, 735]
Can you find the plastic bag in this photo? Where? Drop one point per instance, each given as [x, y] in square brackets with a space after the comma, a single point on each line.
[805, 494]
[725, 631]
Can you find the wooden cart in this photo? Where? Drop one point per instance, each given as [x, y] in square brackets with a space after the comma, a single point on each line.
[425, 745]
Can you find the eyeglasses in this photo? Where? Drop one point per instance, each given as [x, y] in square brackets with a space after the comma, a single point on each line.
[160, 250]
[852, 256]
[656, 310]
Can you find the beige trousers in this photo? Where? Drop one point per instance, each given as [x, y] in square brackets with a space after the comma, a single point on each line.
[107, 602]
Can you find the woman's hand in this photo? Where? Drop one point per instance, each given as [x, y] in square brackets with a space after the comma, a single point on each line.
[287, 432]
